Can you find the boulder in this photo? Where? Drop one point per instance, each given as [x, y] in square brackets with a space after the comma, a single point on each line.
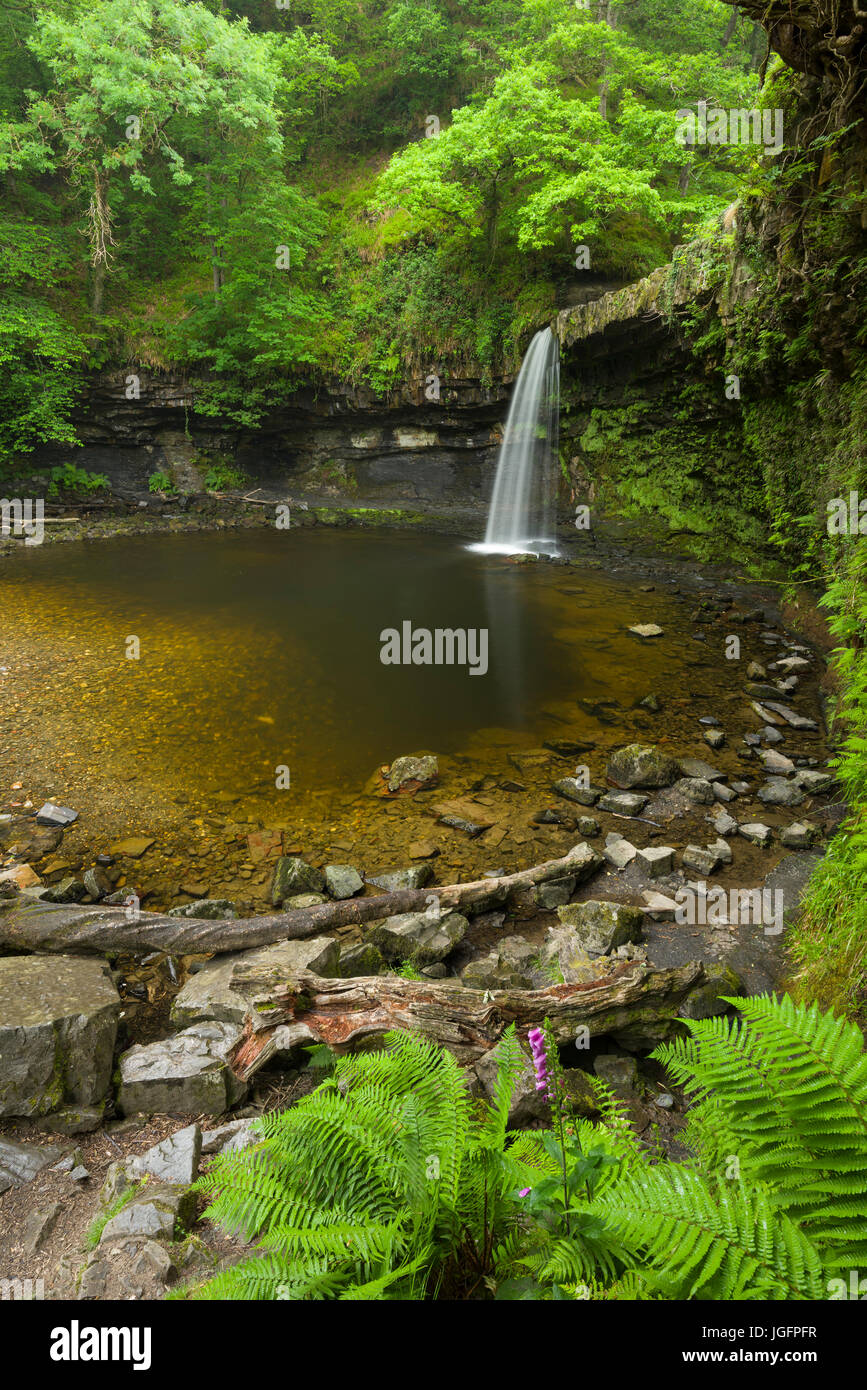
[799, 835]
[554, 893]
[417, 937]
[159, 1213]
[813, 782]
[656, 860]
[410, 773]
[623, 803]
[58, 1024]
[617, 1070]
[696, 789]
[184, 1075]
[418, 876]
[706, 1001]
[703, 861]
[175, 1160]
[565, 959]
[211, 909]
[600, 927]
[641, 765]
[512, 964]
[342, 881]
[778, 792]
[619, 852]
[20, 1163]
[209, 995]
[293, 875]
[363, 958]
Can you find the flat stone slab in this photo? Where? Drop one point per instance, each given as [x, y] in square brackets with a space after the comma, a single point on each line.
[186, 1074]
[209, 995]
[697, 767]
[756, 833]
[58, 1024]
[20, 1163]
[573, 790]
[623, 803]
[133, 847]
[658, 860]
[49, 814]
[791, 716]
[175, 1160]
[157, 1215]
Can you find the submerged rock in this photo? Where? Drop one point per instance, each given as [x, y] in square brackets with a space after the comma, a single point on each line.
[410, 773]
[574, 790]
[416, 877]
[623, 803]
[641, 765]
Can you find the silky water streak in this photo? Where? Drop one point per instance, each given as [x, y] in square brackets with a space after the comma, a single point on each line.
[521, 515]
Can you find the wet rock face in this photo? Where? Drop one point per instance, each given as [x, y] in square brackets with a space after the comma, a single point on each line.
[334, 439]
[58, 1023]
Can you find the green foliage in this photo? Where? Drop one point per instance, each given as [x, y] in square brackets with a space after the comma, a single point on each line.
[67, 477]
[222, 477]
[161, 482]
[384, 1184]
[381, 1184]
[99, 1223]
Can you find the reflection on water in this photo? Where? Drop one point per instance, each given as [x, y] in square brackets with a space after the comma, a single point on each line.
[261, 649]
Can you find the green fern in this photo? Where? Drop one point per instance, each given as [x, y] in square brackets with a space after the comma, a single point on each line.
[784, 1091]
[380, 1184]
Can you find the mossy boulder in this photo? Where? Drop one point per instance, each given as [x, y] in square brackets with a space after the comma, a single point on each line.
[641, 765]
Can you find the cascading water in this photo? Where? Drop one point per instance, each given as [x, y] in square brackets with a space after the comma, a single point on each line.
[520, 517]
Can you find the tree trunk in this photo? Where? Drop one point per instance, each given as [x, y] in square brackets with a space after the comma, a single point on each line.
[637, 1005]
[101, 930]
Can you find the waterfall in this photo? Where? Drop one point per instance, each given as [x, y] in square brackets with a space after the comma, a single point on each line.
[521, 514]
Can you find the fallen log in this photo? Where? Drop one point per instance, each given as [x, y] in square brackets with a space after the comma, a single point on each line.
[70, 928]
[636, 1005]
